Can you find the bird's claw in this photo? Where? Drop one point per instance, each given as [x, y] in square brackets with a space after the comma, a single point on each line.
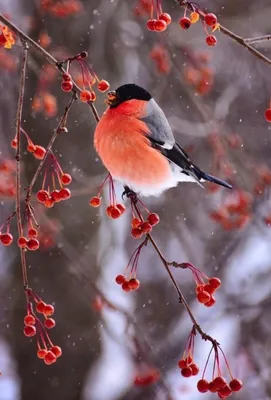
[130, 194]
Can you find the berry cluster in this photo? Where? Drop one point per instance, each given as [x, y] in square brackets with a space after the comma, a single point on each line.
[219, 384]
[127, 284]
[37, 151]
[114, 210]
[209, 20]
[48, 197]
[162, 20]
[236, 212]
[7, 178]
[89, 79]
[141, 227]
[61, 8]
[130, 282]
[30, 243]
[197, 72]
[47, 351]
[186, 364]
[147, 377]
[161, 57]
[205, 292]
[205, 287]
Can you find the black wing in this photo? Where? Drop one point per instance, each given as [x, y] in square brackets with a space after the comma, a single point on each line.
[178, 156]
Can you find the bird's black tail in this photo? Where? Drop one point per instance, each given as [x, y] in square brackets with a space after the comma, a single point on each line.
[213, 179]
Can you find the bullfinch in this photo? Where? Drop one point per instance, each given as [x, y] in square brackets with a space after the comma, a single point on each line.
[136, 144]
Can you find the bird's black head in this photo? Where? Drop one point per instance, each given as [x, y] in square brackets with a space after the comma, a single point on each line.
[127, 92]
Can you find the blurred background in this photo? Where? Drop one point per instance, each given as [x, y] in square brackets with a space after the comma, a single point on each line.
[215, 99]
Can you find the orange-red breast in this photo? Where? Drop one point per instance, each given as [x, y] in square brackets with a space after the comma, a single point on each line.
[135, 143]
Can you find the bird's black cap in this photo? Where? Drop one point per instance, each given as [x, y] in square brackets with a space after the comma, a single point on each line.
[128, 92]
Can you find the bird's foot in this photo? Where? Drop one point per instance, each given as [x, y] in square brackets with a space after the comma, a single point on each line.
[130, 194]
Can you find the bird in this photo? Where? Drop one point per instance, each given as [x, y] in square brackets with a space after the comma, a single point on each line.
[136, 144]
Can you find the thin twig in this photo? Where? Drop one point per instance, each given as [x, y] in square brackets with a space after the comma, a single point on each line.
[60, 128]
[258, 39]
[18, 157]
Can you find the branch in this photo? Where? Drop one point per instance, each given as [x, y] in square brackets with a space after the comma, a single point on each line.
[243, 42]
[18, 156]
[258, 39]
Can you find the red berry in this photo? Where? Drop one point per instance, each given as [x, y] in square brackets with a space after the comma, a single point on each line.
[85, 96]
[115, 212]
[146, 227]
[203, 297]
[48, 310]
[136, 233]
[108, 211]
[186, 372]
[42, 353]
[160, 25]
[29, 331]
[153, 219]
[66, 179]
[64, 194]
[236, 385]
[55, 196]
[125, 286]
[165, 17]
[199, 288]
[40, 306]
[66, 86]
[210, 289]
[215, 282]
[49, 323]
[50, 358]
[133, 284]
[39, 152]
[185, 22]
[211, 302]
[14, 144]
[225, 392]
[66, 77]
[22, 241]
[210, 19]
[212, 387]
[150, 24]
[121, 207]
[203, 386]
[267, 115]
[195, 369]
[42, 195]
[29, 320]
[136, 222]
[57, 351]
[219, 382]
[31, 147]
[103, 86]
[211, 40]
[32, 233]
[6, 239]
[49, 203]
[120, 279]
[95, 201]
[33, 244]
[182, 363]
